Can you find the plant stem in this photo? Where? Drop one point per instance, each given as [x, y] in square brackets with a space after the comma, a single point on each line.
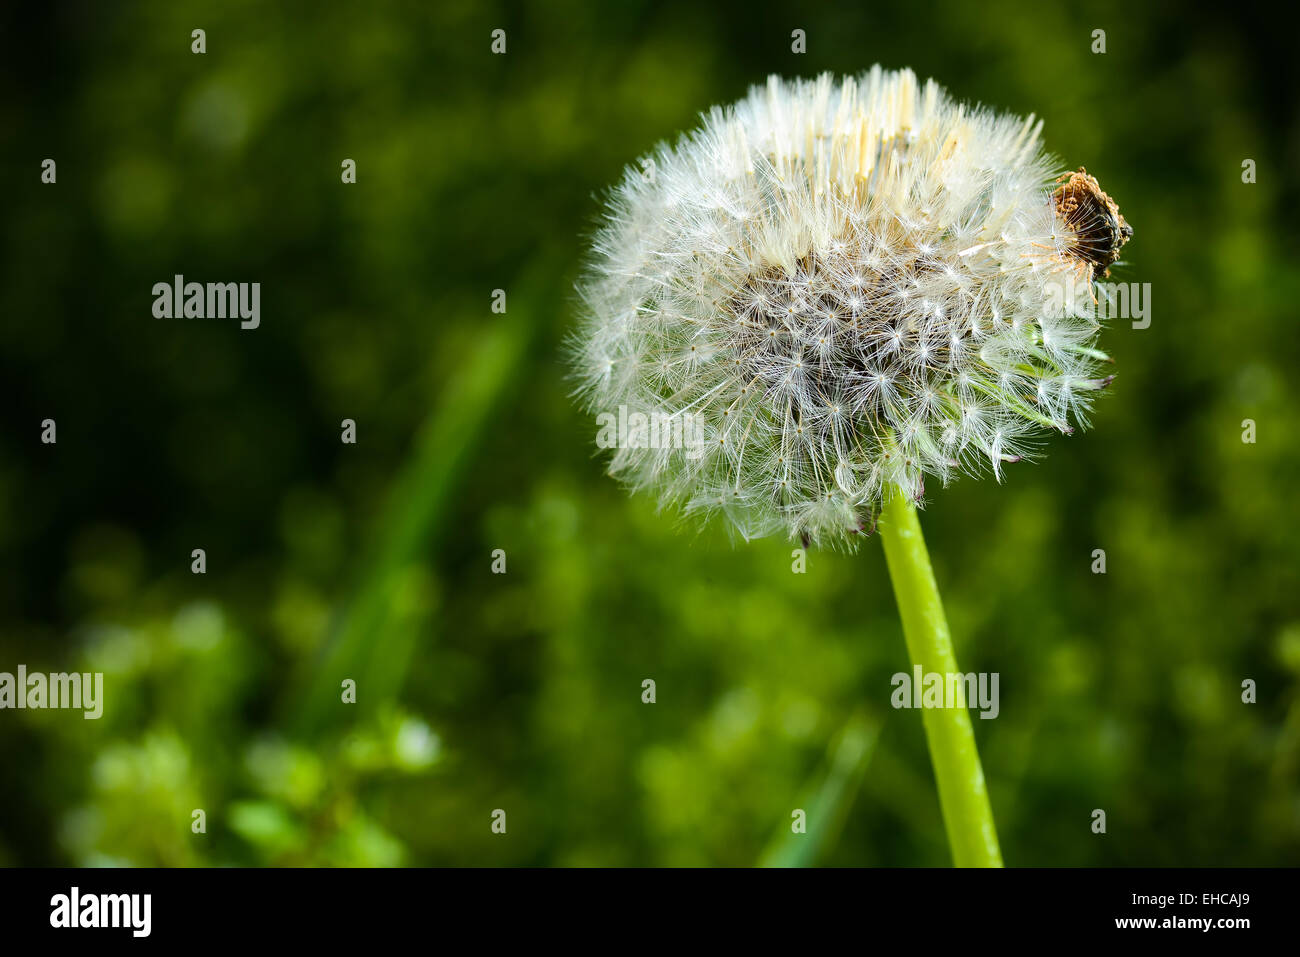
[963, 797]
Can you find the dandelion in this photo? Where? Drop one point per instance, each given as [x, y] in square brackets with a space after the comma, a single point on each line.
[875, 285]
[870, 243]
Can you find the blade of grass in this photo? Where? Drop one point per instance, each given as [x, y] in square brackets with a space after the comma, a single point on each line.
[374, 634]
[827, 804]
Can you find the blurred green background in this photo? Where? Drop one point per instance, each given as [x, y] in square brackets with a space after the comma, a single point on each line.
[522, 691]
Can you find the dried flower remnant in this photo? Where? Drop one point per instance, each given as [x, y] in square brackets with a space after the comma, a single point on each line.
[1100, 230]
[851, 285]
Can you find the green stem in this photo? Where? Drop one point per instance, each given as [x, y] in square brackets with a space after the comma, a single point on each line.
[963, 797]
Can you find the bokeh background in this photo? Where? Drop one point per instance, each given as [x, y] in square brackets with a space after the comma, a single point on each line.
[522, 691]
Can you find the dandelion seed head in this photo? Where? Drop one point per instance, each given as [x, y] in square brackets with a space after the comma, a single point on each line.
[852, 284]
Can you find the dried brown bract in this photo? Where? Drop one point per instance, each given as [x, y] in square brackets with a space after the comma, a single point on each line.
[1099, 227]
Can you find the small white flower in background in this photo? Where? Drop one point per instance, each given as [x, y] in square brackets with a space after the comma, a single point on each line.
[851, 285]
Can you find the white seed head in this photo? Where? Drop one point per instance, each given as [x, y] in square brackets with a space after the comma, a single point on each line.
[847, 286]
